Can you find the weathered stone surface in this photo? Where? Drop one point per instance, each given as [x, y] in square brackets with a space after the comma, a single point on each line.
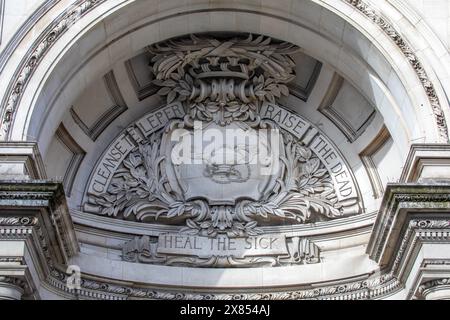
[340, 193]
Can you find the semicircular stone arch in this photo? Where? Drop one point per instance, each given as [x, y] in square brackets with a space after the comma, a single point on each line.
[100, 94]
[331, 33]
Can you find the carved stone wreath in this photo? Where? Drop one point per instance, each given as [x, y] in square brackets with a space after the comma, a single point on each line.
[223, 83]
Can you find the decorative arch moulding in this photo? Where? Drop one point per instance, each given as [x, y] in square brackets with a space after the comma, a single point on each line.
[63, 22]
[371, 288]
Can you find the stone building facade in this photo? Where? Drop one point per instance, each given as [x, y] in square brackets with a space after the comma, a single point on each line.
[191, 149]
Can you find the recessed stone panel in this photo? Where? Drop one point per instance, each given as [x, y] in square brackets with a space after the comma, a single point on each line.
[65, 155]
[347, 108]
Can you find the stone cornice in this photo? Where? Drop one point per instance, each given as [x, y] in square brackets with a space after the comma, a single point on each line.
[25, 157]
[427, 156]
[18, 221]
[46, 206]
[418, 231]
[369, 288]
[34, 213]
[31, 193]
[399, 201]
[412, 216]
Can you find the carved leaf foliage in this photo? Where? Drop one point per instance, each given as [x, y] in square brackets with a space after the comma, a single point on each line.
[178, 87]
[222, 81]
[138, 187]
[306, 188]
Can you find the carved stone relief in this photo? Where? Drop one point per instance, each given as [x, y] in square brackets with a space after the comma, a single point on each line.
[221, 251]
[282, 170]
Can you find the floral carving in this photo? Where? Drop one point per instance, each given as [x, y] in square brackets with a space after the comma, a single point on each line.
[221, 82]
[304, 192]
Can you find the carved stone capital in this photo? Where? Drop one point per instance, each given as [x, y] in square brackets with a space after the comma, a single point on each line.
[11, 288]
[436, 289]
[36, 233]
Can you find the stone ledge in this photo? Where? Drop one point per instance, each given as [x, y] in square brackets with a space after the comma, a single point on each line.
[36, 231]
[402, 202]
[427, 163]
[413, 225]
[20, 160]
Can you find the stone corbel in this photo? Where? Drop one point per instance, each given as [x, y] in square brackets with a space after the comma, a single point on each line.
[36, 235]
[19, 285]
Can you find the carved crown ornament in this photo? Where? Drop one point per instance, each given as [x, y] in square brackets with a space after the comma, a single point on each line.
[221, 157]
